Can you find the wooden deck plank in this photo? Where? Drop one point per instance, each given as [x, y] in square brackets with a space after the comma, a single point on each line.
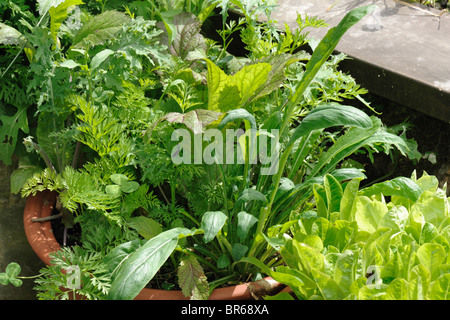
[399, 52]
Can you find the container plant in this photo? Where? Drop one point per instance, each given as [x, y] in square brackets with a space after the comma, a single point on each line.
[114, 95]
[386, 241]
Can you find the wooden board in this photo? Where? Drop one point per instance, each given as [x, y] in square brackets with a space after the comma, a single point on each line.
[400, 52]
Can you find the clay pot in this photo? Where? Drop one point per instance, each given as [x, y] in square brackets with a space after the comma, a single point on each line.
[42, 240]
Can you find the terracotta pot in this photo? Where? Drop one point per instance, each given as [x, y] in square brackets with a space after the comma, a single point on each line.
[42, 240]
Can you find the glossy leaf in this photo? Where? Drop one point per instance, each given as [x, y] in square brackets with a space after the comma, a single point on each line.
[138, 268]
[212, 223]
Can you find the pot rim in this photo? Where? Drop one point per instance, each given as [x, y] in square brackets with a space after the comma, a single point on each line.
[43, 242]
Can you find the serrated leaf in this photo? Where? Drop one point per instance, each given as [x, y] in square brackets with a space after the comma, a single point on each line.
[192, 279]
[9, 130]
[232, 92]
[58, 14]
[99, 29]
[45, 5]
[186, 35]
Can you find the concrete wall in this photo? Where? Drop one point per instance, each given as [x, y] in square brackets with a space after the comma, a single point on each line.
[13, 242]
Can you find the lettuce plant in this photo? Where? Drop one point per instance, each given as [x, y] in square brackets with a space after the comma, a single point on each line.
[110, 95]
[387, 241]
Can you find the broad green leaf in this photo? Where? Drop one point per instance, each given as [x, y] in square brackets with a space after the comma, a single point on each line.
[433, 206]
[400, 186]
[334, 193]
[70, 64]
[113, 189]
[192, 279]
[440, 289]
[327, 286]
[347, 270]
[349, 198]
[232, 92]
[368, 213]
[251, 194]
[119, 178]
[99, 29]
[419, 281]
[344, 146]
[431, 255]
[9, 131]
[45, 5]
[58, 14]
[19, 176]
[10, 35]
[237, 114]
[195, 120]
[212, 222]
[330, 115]
[245, 222]
[118, 254]
[397, 290]
[238, 251]
[372, 292]
[223, 261]
[129, 187]
[139, 267]
[100, 57]
[146, 227]
[396, 218]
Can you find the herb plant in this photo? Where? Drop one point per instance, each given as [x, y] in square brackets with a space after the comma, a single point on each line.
[112, 94]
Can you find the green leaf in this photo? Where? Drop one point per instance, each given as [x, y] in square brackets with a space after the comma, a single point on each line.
[21, 175]
[324, 49]
[212, 222]
[251, 194]
[195, 120]
[440, 290]
[433, 206]
[232, 92]
[99, 29]
[369, 213]
[100, 57]
[9, 131]
[146, 227]
[119, 178]
[334, 193]
[397, 290]
[10, 36]
[113, 189]
[223, 261]
[237, 114]
[58, 14]
[349, 198]
[431, 255]
[120, 253]
[400, 186]
[139, 268]
[45, 5]
[192, 279]
[129, 186]
[245, 222]
[330, 115]
[238, 251]
[69, 64]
